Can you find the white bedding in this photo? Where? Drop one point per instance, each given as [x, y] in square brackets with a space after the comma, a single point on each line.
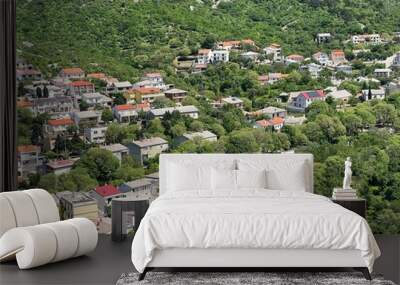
[251, 218]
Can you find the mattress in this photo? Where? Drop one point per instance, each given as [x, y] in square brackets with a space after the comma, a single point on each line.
[250, 219]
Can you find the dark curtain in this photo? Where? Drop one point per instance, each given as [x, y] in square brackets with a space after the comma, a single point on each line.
[8, 154]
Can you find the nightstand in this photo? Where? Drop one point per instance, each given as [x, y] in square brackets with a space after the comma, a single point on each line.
[358, 206]
[126, 212]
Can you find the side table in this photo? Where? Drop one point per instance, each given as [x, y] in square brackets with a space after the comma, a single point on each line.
[358, 206]
[119, 209]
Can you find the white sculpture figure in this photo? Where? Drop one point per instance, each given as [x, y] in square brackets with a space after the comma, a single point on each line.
[347, 174]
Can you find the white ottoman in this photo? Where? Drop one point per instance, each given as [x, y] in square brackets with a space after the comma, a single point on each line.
[40, 244]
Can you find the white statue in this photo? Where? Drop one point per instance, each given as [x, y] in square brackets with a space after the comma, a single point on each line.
[347, 174]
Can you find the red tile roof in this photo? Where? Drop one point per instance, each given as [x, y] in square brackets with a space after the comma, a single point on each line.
[28, 71]
[98, 75]
[204, 51]
[296, 57]
[28, 148]
[248, 42]
[313, 94]
[274, 45]
[263, 123]
[153, 74]
[60, 122]
[24, 104]
[337, 52]
[72, 70]
[263, 78]
[277, 121]
[230, 43]
[124, 107]
[81, 83]
[107, 190]
[273, 122]
[146, 90]
[60, 163]
[142, 106]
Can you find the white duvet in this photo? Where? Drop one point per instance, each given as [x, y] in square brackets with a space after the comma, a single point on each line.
[255, 218]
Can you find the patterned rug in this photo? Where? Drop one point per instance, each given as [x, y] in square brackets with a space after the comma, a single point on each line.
[243, 278]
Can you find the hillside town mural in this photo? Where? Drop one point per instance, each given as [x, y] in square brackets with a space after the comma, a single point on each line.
[96, 110]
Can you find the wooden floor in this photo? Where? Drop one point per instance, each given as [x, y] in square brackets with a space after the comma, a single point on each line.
[110, 260]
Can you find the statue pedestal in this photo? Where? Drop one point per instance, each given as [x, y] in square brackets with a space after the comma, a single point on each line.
[344, 194]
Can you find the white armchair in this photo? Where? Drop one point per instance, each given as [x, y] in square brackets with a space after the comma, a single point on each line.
[31, 230]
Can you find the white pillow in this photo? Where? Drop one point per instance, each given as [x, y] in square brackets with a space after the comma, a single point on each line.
[183, 177]
[290, 175]
[279, 180]
[251, 178]
[223, 179]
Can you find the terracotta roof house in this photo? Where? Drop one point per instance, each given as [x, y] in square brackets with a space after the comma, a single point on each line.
[97, 75]
[104, 194]
[338, 56]
[60, 166]
[125, 113]
[294, 58]
[57, 126]
[29, 159]
[77, 88]
[72, 73]
[305, 98]
[277, 123]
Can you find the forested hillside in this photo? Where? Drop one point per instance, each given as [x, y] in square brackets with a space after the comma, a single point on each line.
[124, 37]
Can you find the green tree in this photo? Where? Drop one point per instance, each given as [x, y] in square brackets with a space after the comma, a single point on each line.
[49, 182]
[242, 142]
[106, 115]
[100, 164]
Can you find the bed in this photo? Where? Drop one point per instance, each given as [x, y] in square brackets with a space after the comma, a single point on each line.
[247, 210]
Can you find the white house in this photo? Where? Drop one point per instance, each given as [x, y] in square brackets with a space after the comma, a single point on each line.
[190, 111]
[371, 94]
[305, 98]
[322, 58]
[232, 101]
[203, 136]
[125, 113]
[144, 149]
[118, 150]
[152, 79]
[396, 60]
[204, 56]
[119, 87]
[382, 72]
[219, 56]
[96, 99]
[313, 68]
[250, 55]
[275, 50]
[373, 39]
[345, 68]
[341, 95]
[323, 37]
[95, 135]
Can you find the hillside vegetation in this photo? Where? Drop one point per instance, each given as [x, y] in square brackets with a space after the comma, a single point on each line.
[123, 37]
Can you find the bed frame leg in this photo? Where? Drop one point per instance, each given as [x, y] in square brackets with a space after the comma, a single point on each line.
[365, 272]
[143, 274]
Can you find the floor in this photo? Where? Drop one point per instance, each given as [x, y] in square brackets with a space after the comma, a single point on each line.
[110, 260]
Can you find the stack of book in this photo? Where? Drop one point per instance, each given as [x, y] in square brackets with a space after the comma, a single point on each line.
[344, 194]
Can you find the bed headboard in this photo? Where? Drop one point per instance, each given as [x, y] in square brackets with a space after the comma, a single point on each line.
[213, 158]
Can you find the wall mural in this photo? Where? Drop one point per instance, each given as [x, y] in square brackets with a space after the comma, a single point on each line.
[104, 87]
